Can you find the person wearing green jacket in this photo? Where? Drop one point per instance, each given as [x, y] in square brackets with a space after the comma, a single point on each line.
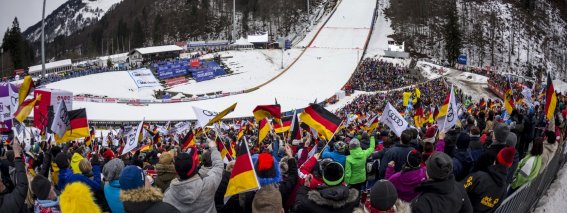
[355, 167]
[530, 166]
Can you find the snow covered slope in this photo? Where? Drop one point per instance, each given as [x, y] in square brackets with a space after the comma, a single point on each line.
[69, 18]
[319, 72]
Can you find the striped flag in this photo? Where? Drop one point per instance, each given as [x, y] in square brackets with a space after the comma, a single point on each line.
[265, 111]
[243, 176]
[284, 126]
[295, 129]
[263, 130]
[188, 140]
[372, 124]
[550, 99]
[508, 98]
[317, 117]
[25, 89]
[25, 108]
[225, 155]
[79, 127]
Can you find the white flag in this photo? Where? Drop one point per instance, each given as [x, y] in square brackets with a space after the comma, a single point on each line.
[61, 121]
[132, 138]
[392, 118]
[450, 119]
[181, 127]
[203, 116]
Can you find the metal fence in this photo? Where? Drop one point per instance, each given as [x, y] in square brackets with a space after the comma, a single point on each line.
[527, 196]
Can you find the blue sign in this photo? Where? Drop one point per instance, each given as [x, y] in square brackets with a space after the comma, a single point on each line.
[287, 44]
[207, 72]
[462, 59]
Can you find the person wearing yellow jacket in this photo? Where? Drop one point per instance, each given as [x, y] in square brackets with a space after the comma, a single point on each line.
[75, 162]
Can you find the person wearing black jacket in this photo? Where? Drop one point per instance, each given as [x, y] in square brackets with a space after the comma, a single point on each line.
[486, 189]
[14, 201]
[441, 193]
[398, 154]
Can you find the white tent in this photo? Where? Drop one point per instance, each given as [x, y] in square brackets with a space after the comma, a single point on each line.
[242, 43]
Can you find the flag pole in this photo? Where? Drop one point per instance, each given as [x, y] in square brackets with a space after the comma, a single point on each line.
[334, 133]
[450, 95]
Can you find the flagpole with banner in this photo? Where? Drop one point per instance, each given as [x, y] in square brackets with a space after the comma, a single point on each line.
[334, 133]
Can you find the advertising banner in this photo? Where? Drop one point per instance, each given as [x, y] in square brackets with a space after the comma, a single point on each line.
[143, 78]
[8, 105]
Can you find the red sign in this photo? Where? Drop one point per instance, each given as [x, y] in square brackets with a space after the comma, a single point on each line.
[175, 81]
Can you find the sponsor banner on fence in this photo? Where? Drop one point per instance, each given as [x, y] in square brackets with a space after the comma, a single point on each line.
[143, 78]
[175, 81]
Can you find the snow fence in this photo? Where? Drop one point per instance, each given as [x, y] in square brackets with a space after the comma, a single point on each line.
[526, 197]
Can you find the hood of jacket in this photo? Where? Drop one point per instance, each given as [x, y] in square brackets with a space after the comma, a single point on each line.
[114, 183]
[357, 153]
[186, 191]
[140, 195]
[335, 197]
[77, 197]
[75, 162]
[498, 174]
[438, 187]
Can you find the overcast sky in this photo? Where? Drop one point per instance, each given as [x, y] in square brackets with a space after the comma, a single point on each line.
[27, 11]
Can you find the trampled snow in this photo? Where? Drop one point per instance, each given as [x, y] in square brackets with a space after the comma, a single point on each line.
[318, 74]
[251, 68]
[554, 199]
[117, 84]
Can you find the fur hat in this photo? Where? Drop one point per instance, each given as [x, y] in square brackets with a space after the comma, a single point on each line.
[41, 187]
[166, 158]
[62, 161]
[439, 166]
[267, 169]
[112, 169]
[501, 132]
[333, 174]
[506, 156]
[268, 199]
[383, 195]
[77, 197]
[132, 177]
[187, 164]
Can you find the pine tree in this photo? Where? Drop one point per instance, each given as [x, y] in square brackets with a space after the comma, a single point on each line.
[138, 36]
[452, 35]
[17, 47]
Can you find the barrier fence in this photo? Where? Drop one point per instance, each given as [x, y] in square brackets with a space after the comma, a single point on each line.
[526, 197]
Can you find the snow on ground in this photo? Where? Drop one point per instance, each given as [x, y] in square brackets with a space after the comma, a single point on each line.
[318, 74]
[382, 29]
[560, 86]
[251, 66]
[554, 199]
[432, 71]
[476, 89]
[117, 84]
[473, 78]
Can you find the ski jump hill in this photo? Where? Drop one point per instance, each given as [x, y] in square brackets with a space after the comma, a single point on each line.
[320, 71]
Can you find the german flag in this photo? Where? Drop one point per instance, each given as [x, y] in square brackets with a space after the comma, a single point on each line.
[188, 140]
[88, 140]
[25, 89]
[241, 132]
[550, 99]
[372, 124]
[508, 98]
[79, 127]
[221, 115]
[445, 107]
[145, 148]
[263, 130]
[470, 108]
[317, 117]
[482, 104]
[294, 128]
[225, 155]
[284, 126]
[243, 177]
[25, 108]
[264, 111]
[490, 104]
[436, 112]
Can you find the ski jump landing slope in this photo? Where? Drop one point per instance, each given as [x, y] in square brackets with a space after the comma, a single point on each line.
[322, 70]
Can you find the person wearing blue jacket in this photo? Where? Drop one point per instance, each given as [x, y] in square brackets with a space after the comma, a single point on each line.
[87, 171]
[65, 172]
[111, 171]
[338, 154]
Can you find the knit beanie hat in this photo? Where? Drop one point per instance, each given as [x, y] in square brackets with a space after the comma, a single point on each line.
[187, 163]
[463, 141]
[512, 139]
[41, 187]
[267, 169]
[340, 146]
[166, 158]
[108, 154]
[501, 132]
[112, 169]
[62, 161]
[439, 166]
[383, 195]
[353, 144]
[268, 199]
[413, 159]
[430, 135]
[132, 177]
[506, 156]
[333, 174]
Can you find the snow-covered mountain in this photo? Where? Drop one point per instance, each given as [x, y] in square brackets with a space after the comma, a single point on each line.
[70, 17]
